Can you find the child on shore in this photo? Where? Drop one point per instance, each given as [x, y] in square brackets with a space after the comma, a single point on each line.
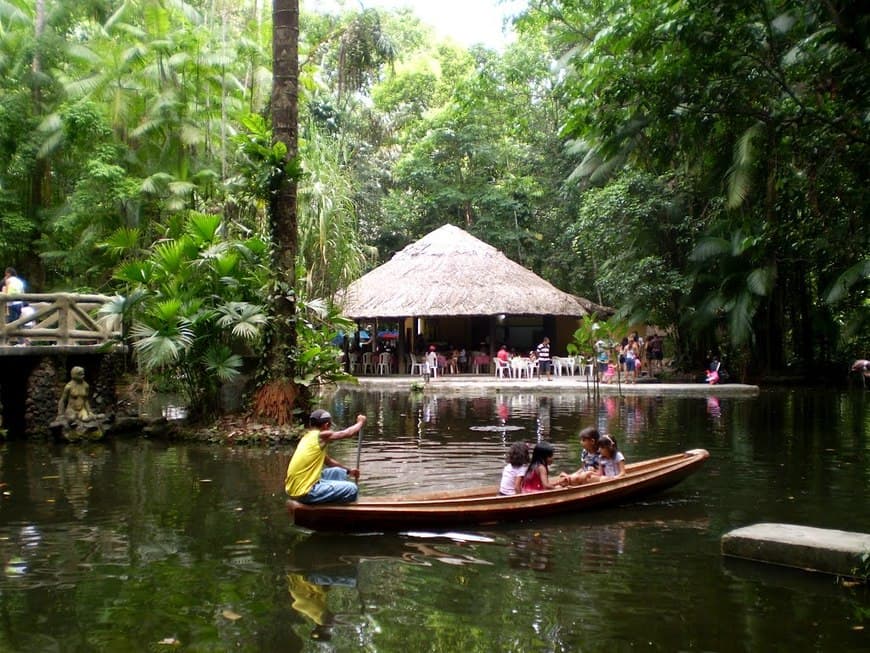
[612, 460]
[512, 474]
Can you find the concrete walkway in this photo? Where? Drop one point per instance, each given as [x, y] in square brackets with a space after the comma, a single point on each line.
[803, 547]
[489, 383]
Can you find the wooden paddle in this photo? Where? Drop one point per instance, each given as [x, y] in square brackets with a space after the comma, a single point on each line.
[358, 453]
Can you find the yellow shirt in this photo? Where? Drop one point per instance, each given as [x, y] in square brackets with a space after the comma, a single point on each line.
[13, 286]
[306, 465]
[308, 599]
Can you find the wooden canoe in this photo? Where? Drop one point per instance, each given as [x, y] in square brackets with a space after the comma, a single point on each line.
[484, 506]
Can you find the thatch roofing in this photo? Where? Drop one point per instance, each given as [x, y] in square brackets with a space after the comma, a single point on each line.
[449, 272]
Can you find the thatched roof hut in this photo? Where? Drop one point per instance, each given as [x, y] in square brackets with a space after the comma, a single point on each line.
[449, 272]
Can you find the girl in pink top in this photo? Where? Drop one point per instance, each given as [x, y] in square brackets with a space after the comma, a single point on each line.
[537, 476]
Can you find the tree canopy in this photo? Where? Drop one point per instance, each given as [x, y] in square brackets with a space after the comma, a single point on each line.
[699, 166]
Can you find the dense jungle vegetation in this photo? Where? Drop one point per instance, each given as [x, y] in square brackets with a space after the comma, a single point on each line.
[699, 165]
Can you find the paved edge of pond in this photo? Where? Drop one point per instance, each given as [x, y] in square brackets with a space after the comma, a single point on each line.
[803, 547]
[466, 382]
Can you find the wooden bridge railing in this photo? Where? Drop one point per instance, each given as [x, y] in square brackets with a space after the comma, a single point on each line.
[60, 320]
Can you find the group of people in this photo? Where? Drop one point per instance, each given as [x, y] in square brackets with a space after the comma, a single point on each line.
[313, 476]
[451, 360]
[632, 353]
[539, 356]
[600, 459]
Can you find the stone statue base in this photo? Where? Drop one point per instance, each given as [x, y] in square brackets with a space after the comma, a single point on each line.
[80, 430]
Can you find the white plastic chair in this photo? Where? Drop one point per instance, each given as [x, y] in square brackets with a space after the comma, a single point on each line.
[367, 363]
[415, 366]
[521, 367]
[385, 363]
[563, 365]
[502, 368]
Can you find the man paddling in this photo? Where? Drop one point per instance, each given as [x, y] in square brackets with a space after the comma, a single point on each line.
[312, 475]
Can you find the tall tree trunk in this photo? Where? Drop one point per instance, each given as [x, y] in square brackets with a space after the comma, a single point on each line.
[276, 399]
[40, 189]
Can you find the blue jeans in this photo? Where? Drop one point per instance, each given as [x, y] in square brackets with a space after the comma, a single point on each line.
[333, 486]
[14, 311]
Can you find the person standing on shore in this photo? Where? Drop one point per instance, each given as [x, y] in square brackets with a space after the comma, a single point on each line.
[545, 363]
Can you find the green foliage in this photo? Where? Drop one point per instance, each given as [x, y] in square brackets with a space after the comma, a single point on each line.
[755, 108]
[861, 571]
[193, 315]
[14, 229]
[191, 303]
[261, 162]
[317, 360]
[583, 339]
[630, 237]
[330, 250]
[603, 148]
[736, 268]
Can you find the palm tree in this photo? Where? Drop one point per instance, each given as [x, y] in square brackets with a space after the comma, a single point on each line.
[276, 398]
[330, 250]
[736, 277]
[187, 305]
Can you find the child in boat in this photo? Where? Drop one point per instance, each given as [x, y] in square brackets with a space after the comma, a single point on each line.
[612, 461]
[537, 476]
[512, 474]
[589, 459]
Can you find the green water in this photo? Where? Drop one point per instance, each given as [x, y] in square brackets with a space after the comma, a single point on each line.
[136, 545]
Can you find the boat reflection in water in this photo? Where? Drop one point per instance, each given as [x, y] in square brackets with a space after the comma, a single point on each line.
[328, 574]
[323, 565]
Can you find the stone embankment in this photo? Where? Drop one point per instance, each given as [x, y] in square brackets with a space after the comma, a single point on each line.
[843, 553]
[474, 382]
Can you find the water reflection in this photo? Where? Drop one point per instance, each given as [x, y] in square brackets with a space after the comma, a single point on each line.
[324, 572]
[89, 536]
[436, 441]
[530, 550]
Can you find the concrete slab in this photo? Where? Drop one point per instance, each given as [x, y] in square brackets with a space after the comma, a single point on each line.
[575, 384]
[804, 547]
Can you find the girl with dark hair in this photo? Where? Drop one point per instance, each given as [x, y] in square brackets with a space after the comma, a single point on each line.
[537, 476]
[512, 474]
[612, 460]
[589, 458]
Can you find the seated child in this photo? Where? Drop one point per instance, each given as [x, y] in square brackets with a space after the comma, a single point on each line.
[512, 474]
[432, 361]
[537, 476]
[713, 372]
[589, 458]
[609, 374]
[612, 461]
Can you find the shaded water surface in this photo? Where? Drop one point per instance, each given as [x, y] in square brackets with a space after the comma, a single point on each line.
[136, 545]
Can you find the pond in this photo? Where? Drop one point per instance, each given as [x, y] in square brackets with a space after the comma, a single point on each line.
[141, 545]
